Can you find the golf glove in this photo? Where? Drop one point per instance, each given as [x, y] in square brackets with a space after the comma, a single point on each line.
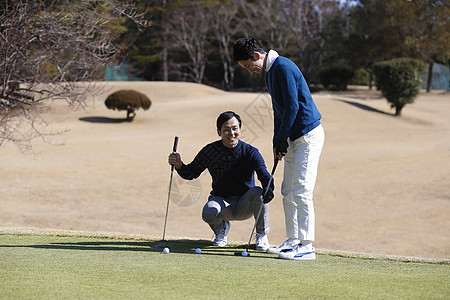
[268, 197]
[281, 147]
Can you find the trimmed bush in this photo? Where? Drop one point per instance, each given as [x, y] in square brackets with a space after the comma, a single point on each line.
[360, 77]
[128, 100]
[335, 78]
[399, 81]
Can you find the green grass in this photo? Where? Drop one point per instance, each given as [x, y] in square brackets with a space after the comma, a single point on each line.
[47, 266]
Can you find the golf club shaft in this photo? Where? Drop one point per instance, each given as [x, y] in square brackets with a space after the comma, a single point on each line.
[262, 202]
[175, 145]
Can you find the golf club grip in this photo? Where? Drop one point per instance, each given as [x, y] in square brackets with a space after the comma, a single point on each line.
[175, 144]
[271, 178]
[274, 167]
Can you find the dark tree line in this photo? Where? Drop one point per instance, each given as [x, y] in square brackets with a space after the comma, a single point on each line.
[47, 47]
[191, 40]
[385, 29]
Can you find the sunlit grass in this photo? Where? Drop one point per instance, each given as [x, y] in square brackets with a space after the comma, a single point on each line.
[55, 267]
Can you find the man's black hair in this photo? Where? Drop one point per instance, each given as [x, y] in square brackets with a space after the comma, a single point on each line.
[225, 116]
[244, 48]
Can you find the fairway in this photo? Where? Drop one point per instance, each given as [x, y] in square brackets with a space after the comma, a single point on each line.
[48, 266]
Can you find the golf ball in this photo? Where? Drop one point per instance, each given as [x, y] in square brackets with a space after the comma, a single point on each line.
[244, 253]
[166, 250]
[198, 250]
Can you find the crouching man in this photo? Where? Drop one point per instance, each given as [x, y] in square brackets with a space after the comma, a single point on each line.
[232, 164]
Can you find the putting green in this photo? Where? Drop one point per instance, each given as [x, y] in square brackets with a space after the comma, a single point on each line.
[50, 266]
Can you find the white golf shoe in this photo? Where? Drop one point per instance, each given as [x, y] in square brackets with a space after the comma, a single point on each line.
[221, 235]
[299, 252]
[286, 246]
[262, 242]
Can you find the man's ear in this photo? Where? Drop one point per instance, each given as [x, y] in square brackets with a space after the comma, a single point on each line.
[256, 55]
[218, 132]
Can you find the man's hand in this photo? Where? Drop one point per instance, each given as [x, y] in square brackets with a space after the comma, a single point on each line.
[175, 160]
[280, 149]
[268, 197]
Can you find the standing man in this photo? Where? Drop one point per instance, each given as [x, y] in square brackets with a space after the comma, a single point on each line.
[234, 196]
[298, 135]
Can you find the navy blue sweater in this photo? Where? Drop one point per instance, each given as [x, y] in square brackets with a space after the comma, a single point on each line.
[295, 112]
[232, 169]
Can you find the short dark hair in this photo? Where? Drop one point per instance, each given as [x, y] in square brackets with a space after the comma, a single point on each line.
[244, 48]
[225, 116]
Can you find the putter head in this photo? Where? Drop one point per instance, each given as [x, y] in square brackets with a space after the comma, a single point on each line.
[160, 245]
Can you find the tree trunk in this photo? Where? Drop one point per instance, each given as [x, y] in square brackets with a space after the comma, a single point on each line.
[130, 114]
[226, 77]
[398, 111]
[231, 72]
[165, 68]
[430, 76]
[164, 65]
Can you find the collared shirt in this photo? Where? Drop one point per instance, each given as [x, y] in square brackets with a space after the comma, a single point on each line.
[271, 56]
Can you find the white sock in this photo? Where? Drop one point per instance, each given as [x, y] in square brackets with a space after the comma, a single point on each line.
[294, 241]
[307, 244]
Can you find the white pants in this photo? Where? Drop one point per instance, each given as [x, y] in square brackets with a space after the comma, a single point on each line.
[300, 172]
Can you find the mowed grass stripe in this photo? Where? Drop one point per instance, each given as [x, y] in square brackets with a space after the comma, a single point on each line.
[50, 266]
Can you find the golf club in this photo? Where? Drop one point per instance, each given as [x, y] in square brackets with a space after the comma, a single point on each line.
[175, 144]
[260, 209]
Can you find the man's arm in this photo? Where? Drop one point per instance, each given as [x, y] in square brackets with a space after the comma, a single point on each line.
[263, 175]
[289, 92]
[190, 171]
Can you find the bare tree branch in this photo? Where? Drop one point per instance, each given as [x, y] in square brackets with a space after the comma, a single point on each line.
[47, 48]
[188, 33]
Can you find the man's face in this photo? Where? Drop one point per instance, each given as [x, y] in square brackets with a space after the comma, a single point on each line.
[230, 132]
[254, 66]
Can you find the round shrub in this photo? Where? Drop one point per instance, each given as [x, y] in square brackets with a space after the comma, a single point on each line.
[128, 100]
[399, 81]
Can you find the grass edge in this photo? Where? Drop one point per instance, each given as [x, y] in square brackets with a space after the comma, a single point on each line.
[125, 236]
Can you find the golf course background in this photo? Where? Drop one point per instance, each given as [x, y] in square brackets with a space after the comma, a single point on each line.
[382, 186]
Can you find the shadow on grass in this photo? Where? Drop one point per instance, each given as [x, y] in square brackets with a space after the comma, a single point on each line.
[176, 246]
[103, 120]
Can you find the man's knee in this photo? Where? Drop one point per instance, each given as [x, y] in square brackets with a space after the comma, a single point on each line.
[255, 192]
[211, 212]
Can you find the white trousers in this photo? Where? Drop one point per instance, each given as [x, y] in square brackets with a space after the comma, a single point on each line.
[300, 173]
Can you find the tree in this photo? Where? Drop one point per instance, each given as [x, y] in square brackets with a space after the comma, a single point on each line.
[425, 26]
[399, 81]
[271, 21]
[224, 27]
[47, 48]
[149, 52]
[371, 37]
[291, 27]
[327, 34]
[190, 31]
[189, 27]
[384, 29]
[194, 38]
[128, 100]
